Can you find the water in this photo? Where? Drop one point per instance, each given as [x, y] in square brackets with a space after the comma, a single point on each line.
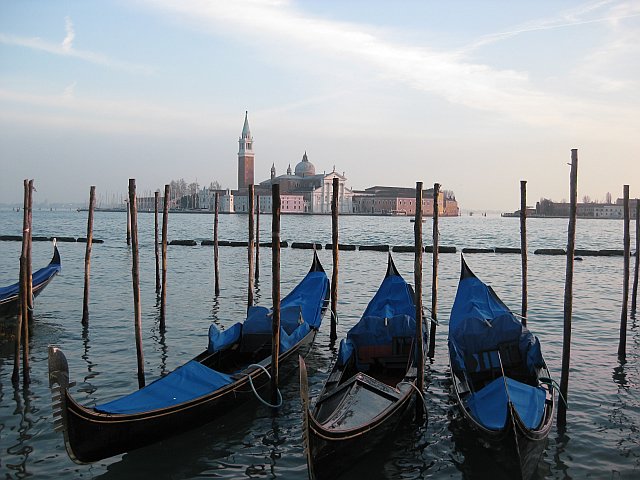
[602, 439]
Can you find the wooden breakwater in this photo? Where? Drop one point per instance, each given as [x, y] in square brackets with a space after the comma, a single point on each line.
[346, 247]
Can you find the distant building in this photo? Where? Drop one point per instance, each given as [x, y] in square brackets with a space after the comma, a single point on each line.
[245, 156]
[382, 200]
[306, 191]
[548, 208]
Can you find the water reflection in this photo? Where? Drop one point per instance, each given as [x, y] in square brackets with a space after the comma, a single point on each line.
[20, 451]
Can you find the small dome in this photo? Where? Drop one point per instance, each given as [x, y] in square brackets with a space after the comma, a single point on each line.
[305, 168]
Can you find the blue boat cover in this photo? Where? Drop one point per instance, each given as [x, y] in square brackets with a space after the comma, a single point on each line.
[489, 405]
[480, 322]
[301, 310]
[190, 381]
[390, 313]
[38, 277]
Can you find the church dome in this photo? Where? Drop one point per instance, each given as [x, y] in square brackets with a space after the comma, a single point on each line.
[305, 168]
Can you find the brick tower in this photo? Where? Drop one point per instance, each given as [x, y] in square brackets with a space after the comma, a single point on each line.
[245, 156]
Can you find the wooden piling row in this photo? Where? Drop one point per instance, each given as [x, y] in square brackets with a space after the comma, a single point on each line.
[334, 276]
[250, 247]
[87, 255]
[568, 290]
[135, 275]
[216, 262]
[155, 243]
[434, 271]
[634, 293]
[163, 292]
[417, 270]
[622, 346]
[275, 291]
[523, 247]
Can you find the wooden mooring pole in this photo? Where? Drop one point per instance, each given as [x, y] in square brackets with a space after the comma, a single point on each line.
[27, 288]
[250, 246]
[434, 279]
[15, 377]
[29, 262]
[128, 223]
[216, 259]
[135, 275]
[622, 346]
[417, 271]
[165, 222]
[634, 293]
[275, 291]
[257, 268]
[334, 275]
[523, 247]
[568, 290]
[156, 238]
[87, 255]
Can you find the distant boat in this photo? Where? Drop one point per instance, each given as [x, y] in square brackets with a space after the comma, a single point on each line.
[40, 279]
[398, 213]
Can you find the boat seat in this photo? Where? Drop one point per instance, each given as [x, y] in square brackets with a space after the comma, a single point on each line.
[484, 366]
[253, 342]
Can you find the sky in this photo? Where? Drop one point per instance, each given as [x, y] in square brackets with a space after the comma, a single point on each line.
[476, 96]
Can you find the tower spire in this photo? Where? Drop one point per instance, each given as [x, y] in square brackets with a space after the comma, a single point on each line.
[245, 155]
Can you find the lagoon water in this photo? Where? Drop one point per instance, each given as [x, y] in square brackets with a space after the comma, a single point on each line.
[602, 439]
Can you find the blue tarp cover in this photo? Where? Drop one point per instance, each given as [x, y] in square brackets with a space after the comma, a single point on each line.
[481, 322]
[190, 381]
[38, 277]
[220, 339]
[489, 405]
[380, 331]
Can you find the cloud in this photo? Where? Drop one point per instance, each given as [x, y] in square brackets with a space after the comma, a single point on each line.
[66, 49]
[69, 92]
[68, 40]
[451, 75]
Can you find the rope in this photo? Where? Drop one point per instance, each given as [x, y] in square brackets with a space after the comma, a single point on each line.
[334, 315]
[254, 388]
[553, 384]
[413, 385]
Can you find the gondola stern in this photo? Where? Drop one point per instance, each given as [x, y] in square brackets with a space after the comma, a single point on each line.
[55, 260]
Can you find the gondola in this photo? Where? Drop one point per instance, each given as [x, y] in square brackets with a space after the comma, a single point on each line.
[234, 369]
[372, 384]
[501, 383]
[9, 296]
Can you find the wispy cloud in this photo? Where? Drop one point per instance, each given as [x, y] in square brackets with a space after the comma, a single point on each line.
[447, 74]
[66, 49]
[68, 40]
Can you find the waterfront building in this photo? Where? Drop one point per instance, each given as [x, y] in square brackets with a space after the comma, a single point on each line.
[383, 200]
[307, 191]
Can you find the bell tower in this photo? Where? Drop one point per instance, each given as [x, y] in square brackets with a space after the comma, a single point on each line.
[245, 156]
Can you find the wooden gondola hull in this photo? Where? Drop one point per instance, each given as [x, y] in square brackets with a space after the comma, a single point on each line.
[91, 436]
[41, 278]
[335, 452]
[519, 448]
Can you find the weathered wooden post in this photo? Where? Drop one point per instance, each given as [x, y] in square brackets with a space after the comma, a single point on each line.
[257, 269]
[15, 377]
[568, 290]
[29, 244]
[250, 246]
[417, 229]
[128, 223]
[156, 238]
[87, 255]
[335, 251]
[434, 279]
[135, 275]
[523, 247]
[165, 221]
[216, 260]
[275, 290]
[634, 294]
[622, 346]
